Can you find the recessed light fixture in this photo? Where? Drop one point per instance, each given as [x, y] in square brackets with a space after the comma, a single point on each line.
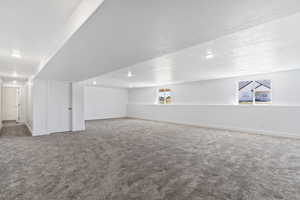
[15, 74]
[16, 54]
[94, 83]
[129, 74]
[209, 55]
[14, 82]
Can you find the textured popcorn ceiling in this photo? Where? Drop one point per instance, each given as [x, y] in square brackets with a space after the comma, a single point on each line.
[265, 48]
[29, 28]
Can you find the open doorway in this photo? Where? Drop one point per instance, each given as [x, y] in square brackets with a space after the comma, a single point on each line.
[10, 105]
[13, 104]
[13, 113]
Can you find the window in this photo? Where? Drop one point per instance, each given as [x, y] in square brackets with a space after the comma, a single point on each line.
[164, 96]
[255, 92]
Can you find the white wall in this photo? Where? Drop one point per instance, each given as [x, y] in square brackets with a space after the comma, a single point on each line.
[47, 104]
[22, 103]
[103, 103]
[212, 104]
[50, 107]
[28, 105]
[269, 120]
[1, 83]
[39, 107]
[223, 91]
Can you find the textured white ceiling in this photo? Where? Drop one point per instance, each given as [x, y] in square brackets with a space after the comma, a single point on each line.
[13, 81]
[269, 47]
[123, 33]
[30, 27]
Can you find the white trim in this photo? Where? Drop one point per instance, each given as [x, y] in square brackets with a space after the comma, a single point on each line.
[36, 132]
[117, 117]
[40, 133]
[29, 128]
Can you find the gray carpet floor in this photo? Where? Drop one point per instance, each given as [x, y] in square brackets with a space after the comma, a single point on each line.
[12, 129]
[127, 159]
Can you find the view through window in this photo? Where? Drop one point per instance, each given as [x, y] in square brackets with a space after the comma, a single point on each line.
[164, 96]
[255, 92]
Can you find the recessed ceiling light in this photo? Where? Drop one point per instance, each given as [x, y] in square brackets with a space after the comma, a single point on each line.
[94, 83]
[14, 82]
[15, 74]
[129, 74]
[16, 54]
[209, 55]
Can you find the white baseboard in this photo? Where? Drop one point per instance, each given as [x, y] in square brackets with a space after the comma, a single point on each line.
[96, 119]
[40, 133]
[29, 128]
[36, 132]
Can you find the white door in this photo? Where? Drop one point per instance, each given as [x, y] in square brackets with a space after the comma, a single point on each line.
[10, 104]
[59, 113]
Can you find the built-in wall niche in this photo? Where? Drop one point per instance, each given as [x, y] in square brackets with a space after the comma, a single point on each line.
[255, 92]
[164, 96]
